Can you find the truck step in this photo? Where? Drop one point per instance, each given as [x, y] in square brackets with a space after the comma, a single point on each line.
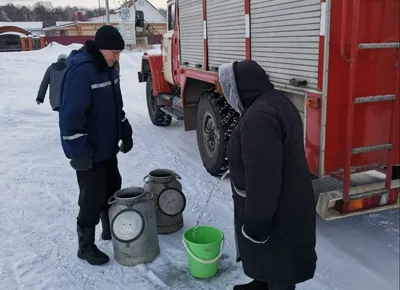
[379, 45]
[339, 175]
[371, 99]
[173, 112]
[327, 200]
[166, 97]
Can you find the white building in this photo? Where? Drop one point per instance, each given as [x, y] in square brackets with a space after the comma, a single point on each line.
[151, 14]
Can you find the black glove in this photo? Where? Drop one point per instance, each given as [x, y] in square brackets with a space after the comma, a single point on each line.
[126, 145]
[83, 163]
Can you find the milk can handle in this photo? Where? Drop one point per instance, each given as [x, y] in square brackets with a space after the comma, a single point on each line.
[144, 178]
[149, 195]
[177, 176]
[207, 262]
[110, 201]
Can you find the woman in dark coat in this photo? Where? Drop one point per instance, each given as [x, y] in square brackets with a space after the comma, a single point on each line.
[274, 206]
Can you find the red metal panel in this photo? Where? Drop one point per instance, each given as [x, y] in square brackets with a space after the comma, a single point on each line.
[376, 75]
[207, 77]
[185, 73]
[248, 29]
[160, 85]
[175, 50]
[313, 131]
[248, 49]
[321, 61]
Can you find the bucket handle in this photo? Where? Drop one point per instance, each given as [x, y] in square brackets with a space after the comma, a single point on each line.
[207, 262]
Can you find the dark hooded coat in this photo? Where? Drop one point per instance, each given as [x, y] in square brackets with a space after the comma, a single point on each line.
[274, 206]
[53, 77]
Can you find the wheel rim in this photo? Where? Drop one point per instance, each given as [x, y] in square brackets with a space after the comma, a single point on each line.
[210, 136]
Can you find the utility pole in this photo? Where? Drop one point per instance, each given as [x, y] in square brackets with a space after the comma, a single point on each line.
[107, 13]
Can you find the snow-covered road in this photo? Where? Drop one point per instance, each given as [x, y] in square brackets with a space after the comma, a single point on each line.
[38, 195]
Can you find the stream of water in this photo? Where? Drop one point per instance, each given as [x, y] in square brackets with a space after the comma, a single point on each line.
[209, 199]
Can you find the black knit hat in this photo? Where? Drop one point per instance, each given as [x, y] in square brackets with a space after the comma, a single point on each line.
[109, 38]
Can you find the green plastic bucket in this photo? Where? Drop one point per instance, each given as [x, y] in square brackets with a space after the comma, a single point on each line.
[204, 246]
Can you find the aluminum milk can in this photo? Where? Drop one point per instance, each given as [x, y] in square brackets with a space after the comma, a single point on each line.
[168, 197]
[133, 225]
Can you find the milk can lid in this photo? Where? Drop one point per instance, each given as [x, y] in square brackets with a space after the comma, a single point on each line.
[171, 201]
[127, 226]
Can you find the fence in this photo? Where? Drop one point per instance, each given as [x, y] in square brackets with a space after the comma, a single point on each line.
[67, 40]
[154, 39]
[31, 43]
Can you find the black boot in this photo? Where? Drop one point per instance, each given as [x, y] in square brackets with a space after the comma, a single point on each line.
[105, 222]
[254, 285]
[87, 249]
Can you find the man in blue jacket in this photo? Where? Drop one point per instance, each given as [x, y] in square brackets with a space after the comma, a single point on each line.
[92, 122]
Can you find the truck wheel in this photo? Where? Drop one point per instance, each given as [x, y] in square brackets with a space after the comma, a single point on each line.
[157, 117]
[210, 134]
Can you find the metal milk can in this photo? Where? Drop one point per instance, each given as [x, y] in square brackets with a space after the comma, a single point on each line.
[133, 225]
[168, 197]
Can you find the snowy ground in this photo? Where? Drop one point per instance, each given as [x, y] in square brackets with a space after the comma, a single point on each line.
[38, 195]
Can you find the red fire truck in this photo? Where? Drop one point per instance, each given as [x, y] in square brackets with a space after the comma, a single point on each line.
[338, 61]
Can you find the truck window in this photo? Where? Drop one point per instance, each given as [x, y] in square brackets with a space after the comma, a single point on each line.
[171, 17]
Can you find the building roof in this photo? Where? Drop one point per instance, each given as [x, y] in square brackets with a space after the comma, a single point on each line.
[114, 17]
[130, 3]
[62, 23]
[34, 25]
[69, 24]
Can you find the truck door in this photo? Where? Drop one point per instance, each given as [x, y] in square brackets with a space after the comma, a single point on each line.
[167, 44]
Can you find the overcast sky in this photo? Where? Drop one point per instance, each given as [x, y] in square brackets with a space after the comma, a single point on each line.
[79, 3]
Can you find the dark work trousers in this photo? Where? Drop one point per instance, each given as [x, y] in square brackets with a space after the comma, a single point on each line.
[96, 186]
[280, 286]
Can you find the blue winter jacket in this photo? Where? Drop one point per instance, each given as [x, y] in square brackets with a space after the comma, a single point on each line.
[91, 117]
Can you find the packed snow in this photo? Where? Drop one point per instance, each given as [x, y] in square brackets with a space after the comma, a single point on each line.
[38, 201]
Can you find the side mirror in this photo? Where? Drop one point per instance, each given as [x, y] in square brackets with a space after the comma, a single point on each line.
[139, 21]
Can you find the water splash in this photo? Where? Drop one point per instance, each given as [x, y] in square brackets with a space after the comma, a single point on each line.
[208, 200]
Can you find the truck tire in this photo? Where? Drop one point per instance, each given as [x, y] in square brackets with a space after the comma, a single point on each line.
[210, 134]
[157, 117]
